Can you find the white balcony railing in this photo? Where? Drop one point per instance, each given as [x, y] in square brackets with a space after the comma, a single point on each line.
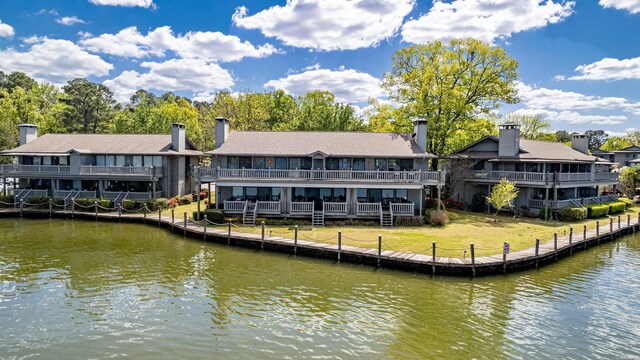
[234, 206]
[119, 170]
[523, 176]
[335, 208]
[539, 203]
[366, 208]
[21, 170]
[322, 175]
[268, 207]
[301, 208]
[402, 208]
[34, 169]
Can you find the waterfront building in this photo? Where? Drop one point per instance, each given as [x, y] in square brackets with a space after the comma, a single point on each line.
[320, 174]
[109, 166]
[546, 173]
[629, 156]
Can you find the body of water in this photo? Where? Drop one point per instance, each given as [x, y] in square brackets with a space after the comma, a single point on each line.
[80, 289]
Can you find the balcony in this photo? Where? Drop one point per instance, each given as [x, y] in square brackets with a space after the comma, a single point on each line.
[578, 202]
[63, 171]
[540, 178]
[417, 177]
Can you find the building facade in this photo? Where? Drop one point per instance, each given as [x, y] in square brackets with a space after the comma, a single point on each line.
[320, 175]
[547, 174]
[110, 166]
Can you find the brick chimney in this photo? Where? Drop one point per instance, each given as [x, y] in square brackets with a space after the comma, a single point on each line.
[509, 140]
[28, 132]
[420, 132]
[222, 131]
[178, 137]
[580, 142]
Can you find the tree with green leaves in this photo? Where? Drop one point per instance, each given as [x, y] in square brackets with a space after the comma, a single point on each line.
[451, 84]
[630, 178]
[91, 106]
[615, 143]
[597, 138]
[532, 127]
[502, 195]
[563, 136]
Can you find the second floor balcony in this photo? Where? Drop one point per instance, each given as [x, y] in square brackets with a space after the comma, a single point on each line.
[17, 170]
[365, 176]
[541, 178]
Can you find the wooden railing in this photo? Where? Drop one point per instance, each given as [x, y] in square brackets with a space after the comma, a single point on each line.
[268, 207]
[335, 208]
[322, 175]
[364, 208]
[34, 169]
[119, 170]
[577, 202]
[402, 208]
[301, 208]
[538, 177]
[234, 206]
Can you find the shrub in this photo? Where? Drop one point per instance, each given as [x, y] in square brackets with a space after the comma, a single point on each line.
[37, 200]
[572, 213]
[433, 204]
[478, 202]
[128, 204]
[86, 204]
[172, 203]
[597, 210]
[57, 201]
[184, 200]
[157, 204]
[617, 207]
[6, 201]
[545, 211]
[628, 202]
[216, 216]
[408, 221]
[439, 218]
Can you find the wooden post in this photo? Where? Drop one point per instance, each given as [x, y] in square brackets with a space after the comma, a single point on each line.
[504, 259]
[50, 207]
[73, 208]
[618, 221]
[185, 223]
[473, 259]
[262, 239]
[95, 206]
[584, 232]
[537, 251]
[229, 233]
[433, 258]
[628, 220]
[144, 210]
[120, 212]
[205, 228]
[159, 216]
[555, 245]
[379, 248]
[571, 240]
[173, 218]
[339, 244]
[598, 231]
[611, 228]
[295, 240]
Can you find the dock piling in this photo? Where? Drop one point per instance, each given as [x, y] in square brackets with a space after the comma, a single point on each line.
[95, 207]
[618, 222]
[159, 216]
[433, 258]
[185, 223]
[295, 240]
[611, 228]
[144, 210]
[205, 227]
[120, 212]
[473, 259]
[504, 258]
[571, 240]
[339, 244]
[598, 231]
[229, 233]
[537, 251]
[262, 237]
[173, 218]
[555, 245]
[50, 207]
[379, 248]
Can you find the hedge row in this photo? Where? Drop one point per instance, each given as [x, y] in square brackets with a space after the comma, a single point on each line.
[572, 214]
[597, 210]
[216, 216]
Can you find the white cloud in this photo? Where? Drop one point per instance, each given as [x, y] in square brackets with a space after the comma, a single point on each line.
[574, 117]
[347, 85]
[126, 3]
[607, 69]
[54, 60]
[633, 6]
[6, 30]
[543, 98]
[328, 25]
[215, 46]
[173, 75]
[483, 19]
[70, 20]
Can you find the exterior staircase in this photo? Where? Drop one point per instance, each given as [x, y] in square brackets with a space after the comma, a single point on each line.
[317, 218]
[386, 219]
[249, 215]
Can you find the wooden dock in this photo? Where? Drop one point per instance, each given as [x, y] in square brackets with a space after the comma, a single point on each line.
[544, 252]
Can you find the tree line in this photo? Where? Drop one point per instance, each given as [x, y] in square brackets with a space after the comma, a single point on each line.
[456, 86]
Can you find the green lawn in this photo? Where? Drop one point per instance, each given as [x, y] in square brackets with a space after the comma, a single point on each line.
[451, 240]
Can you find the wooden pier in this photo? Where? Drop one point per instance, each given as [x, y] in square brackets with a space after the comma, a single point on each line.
[544, 252]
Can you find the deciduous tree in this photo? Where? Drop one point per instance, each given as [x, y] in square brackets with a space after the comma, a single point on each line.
[502, 195]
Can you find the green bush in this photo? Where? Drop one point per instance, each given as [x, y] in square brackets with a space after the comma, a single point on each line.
[572, 213]
[439, 218]
[628, 202]
[549, 213]
[216, 216]
[597, 210]
[128, 204]
[157, 204]
[88, 205]
[6, 201]
[185, 199]
[478, 202]
[617, 207]
[37, 200]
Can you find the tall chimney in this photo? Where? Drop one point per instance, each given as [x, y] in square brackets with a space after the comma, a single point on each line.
[420, 132]
[509, 140]
[222, 131]
[580, 142]
[28, 132]
[178, 137]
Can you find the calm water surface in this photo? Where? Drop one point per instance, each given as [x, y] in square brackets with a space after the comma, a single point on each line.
[73, 289]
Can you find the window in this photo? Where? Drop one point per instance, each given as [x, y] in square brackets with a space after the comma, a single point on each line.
[381, 164]
[275, 194]
[119, 160]
[63, 160]
[362, 195]
[339, 195]
[358, 164]
[402, 194]
[259, 163]
[245, 162]
[128, 160]
[264, 194]
[100, 160]
[157, 161]
[400, 164]
[298, 194]
[137, 160]
[281, 163]
[300, 163]
[233, 162]
[237, 193]
[325, 195]
[251, 193]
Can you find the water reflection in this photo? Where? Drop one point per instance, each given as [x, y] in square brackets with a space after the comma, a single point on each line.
[84, 289]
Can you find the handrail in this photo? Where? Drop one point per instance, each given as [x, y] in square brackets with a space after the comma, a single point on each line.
[539, 176]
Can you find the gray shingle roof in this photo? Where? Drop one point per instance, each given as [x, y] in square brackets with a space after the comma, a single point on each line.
[101, 144]
[300, 143]
[531, 150]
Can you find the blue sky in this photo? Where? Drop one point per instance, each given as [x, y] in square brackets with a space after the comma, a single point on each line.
[579, 60]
